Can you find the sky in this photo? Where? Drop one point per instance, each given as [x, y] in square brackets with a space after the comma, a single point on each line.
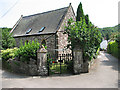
[102, 13]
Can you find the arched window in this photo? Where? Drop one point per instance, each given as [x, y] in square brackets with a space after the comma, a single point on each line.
[43, 43]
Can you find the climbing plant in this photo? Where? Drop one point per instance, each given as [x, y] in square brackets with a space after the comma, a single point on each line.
[88, 39]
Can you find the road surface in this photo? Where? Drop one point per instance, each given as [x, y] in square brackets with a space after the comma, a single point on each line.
[103, 74]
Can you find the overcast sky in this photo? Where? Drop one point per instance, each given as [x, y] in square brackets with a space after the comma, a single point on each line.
[102, 13]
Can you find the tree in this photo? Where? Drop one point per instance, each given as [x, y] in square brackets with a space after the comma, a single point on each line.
[83, 34]
[7, 40]
[78, 34]
[88, 39]
[87, 21]
[80, 13]
[107, 36]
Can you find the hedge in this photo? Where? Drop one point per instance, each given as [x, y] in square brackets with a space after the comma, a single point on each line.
[113, 49]
[8, 53]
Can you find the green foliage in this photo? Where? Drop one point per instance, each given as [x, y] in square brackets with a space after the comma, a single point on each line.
[1, 39]
[80, 13]
[88, 38]
[85, 34]
[109, 32]
[7, 40]
[56, 68]
[28, 50]
[77, 32]
[107, 36]
[87, 21]
[113, 48]
[8, 53]
[118, 38]
[65, 68]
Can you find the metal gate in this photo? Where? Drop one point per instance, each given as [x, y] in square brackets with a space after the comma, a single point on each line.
[63, 64]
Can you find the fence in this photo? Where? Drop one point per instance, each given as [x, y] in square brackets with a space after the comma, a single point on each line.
[62, 64]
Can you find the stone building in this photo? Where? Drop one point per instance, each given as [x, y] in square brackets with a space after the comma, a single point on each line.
[46, 27]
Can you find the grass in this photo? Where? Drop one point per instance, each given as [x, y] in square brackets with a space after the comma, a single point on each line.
[55, 68]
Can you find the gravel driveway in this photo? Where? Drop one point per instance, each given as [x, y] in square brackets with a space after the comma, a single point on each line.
[103, 74]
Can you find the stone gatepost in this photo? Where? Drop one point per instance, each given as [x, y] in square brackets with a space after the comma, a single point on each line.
[78, 60]
[42, 62]
[85, 67]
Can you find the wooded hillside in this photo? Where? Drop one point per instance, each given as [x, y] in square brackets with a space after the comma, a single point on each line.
[108, 32]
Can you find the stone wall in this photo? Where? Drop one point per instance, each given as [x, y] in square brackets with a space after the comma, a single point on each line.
[50, 41]
[23, 68]
[62, 38]
[33, 67]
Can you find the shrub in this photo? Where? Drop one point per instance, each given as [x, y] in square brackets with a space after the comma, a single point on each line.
[8, 53]
[113, 48]
[7, 40]
[28, 50]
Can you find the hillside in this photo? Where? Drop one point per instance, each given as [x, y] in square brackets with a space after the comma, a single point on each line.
[108, 31]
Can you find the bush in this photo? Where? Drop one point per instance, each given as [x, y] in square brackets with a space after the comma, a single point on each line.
[113, 48]
[7, 40]
[29, 50]
[8, 53]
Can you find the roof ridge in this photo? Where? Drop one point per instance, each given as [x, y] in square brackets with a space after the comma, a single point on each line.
[45, 12]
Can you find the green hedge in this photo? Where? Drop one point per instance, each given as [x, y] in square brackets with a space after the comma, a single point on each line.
[8, 53]
[28, 50]
[113, 48]
[24, 53]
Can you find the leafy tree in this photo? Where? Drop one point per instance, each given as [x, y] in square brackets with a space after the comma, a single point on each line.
[76, 32]
[109, 32]
[83, 33]
[87, 38]
[7, 40]
[87, 20]
[80, 13]
[107, 36]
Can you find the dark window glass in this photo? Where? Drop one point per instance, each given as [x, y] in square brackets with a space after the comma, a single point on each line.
[41, 29]
[43, 43]
[29, 31]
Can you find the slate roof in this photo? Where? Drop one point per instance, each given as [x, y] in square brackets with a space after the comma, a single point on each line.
[51, 20]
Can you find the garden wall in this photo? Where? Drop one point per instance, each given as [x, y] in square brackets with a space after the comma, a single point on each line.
[22, 67]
